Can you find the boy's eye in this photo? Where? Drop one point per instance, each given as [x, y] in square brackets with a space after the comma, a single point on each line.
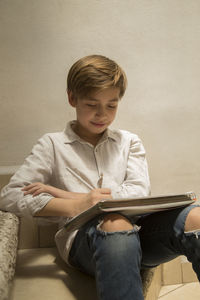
[112, 106]
[94, 105]
[91, 105]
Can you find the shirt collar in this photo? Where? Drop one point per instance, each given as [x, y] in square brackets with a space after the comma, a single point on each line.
[71, 136]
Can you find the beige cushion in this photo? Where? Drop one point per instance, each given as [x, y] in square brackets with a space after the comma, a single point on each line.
[40, 274]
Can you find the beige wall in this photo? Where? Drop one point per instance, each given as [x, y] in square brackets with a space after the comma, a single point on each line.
[156, 42]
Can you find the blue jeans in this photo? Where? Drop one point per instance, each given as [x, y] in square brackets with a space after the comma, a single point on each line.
[116, 258]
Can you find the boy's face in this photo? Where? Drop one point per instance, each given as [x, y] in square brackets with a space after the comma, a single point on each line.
[95, 112]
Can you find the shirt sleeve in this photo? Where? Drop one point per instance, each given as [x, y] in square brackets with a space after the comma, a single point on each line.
[136, 182]
[37, 167]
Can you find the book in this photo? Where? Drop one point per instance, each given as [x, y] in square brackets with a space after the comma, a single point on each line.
[131, 207]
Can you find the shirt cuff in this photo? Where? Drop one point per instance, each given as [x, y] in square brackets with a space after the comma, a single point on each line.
[31, 205]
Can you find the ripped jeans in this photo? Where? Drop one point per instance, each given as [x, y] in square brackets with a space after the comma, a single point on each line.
[116, 258]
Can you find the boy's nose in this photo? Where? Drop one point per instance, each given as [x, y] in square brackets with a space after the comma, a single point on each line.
[100, 111]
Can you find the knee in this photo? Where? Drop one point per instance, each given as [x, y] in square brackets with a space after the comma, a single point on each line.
[193, 219]
[115, 222]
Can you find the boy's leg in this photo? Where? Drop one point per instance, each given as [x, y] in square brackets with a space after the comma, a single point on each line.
[163, 236]
[111, 254]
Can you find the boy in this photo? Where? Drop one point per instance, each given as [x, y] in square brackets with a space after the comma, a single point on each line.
[68, 172]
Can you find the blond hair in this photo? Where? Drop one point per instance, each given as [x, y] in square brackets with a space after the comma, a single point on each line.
[95, 72]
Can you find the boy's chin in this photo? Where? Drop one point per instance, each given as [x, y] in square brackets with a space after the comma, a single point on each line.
[99, 130]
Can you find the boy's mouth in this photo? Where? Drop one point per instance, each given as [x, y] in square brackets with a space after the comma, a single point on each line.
[98, 124]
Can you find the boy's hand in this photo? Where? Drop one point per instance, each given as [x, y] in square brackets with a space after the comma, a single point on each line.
[36, 188]
[97, 195]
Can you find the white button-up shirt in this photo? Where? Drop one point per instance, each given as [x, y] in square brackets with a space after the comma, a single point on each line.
[67, 162]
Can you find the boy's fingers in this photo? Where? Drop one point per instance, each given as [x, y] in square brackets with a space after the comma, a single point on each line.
[31, 190]
[25, 188]
[106, 196]
[29, 186]
[106, 191]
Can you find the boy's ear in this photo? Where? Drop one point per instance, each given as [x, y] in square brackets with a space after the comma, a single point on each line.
[72, 99]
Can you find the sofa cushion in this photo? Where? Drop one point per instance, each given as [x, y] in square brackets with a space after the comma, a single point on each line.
[41, 274]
